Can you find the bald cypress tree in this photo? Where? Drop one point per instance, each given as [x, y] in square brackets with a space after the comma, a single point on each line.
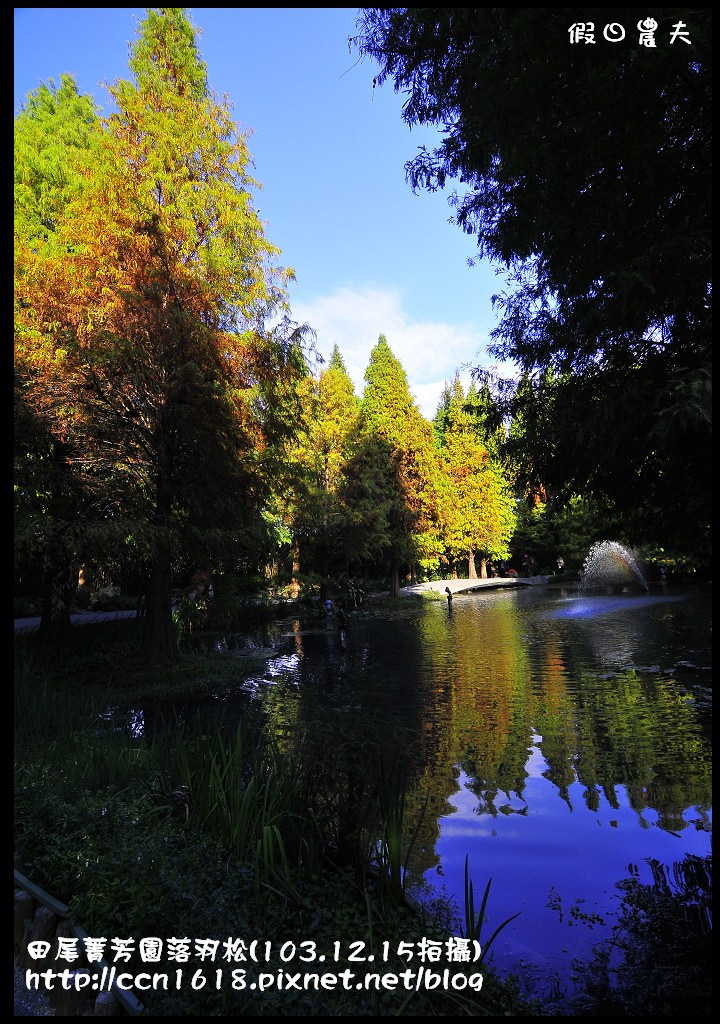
[480, 514]
[56, 139]
[413, 477]
[147, 339]
[325, 444]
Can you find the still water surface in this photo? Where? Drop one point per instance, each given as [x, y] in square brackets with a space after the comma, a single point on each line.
[559, 741]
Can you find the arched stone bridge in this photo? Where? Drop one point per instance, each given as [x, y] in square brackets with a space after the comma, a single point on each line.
[463, 586]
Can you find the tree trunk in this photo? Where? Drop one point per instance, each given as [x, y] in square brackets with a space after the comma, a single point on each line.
[483, 568]
[59, 575]
[159, 643]
[294, 588]
[394, 578]
[472, 571]
[57, 595]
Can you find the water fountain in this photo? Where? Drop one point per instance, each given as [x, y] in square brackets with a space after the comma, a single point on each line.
[609, 582]
[610, 564]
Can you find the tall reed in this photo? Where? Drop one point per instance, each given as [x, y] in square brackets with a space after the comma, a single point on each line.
[396, 843]
[256, 800]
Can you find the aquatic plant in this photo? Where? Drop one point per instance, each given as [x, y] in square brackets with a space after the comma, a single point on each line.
[474, 922]
[247, 794]
[393, 850]
[658, 961]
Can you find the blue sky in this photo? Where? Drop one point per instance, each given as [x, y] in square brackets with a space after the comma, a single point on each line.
[329, 150]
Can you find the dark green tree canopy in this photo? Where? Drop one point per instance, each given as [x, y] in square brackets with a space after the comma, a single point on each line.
[586, 167]
[585, 171]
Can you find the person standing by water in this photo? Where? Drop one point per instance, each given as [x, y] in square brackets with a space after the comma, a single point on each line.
[342, 623]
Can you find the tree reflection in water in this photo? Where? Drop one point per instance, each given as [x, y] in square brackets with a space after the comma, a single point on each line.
[553, 748]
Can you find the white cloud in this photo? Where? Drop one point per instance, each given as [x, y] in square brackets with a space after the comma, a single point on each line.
[430, 353]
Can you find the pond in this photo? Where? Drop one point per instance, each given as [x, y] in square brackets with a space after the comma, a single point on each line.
[560, 742]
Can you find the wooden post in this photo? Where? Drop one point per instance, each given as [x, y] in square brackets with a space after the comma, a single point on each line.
[106, 1005]
[65, 930]
[71, 1002]
[42, 928]
[24, 910]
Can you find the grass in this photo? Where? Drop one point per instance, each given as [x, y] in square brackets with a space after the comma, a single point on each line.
[98, 663]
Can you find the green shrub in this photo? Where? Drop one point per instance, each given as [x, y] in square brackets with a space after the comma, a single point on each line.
[26, 607]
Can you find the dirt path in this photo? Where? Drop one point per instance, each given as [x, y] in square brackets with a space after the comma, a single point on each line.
[28, 1002]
